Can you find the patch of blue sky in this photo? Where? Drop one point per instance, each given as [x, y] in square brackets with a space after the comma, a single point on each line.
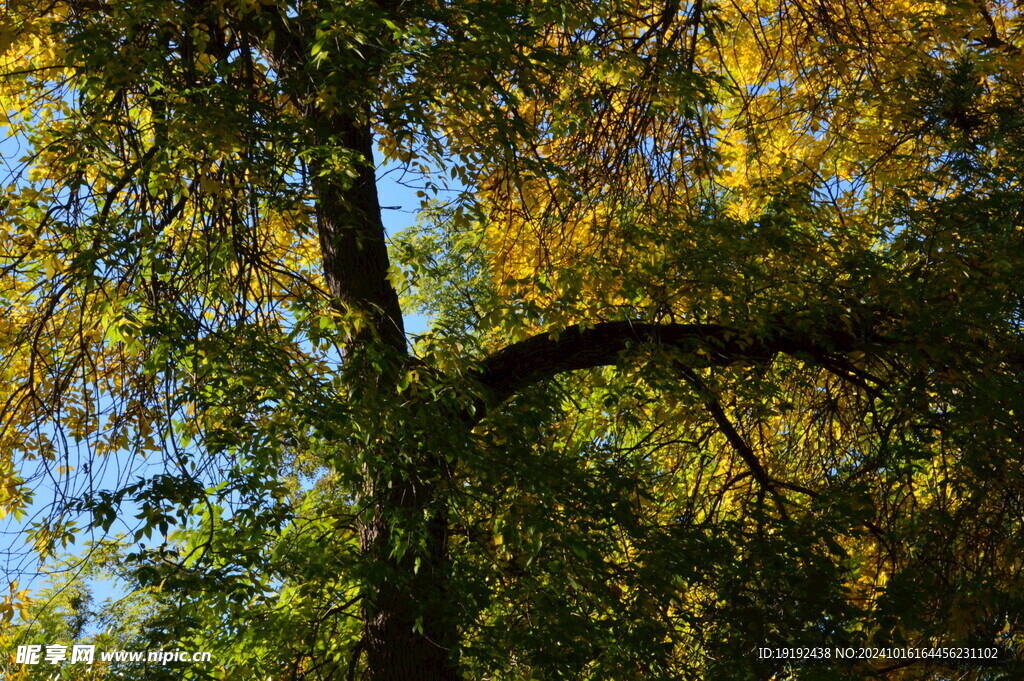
[400, 193]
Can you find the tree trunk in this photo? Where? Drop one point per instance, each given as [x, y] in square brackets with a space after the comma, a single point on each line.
[408, 633]
[408, 629]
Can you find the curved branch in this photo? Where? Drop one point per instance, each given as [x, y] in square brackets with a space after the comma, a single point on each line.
[543, 356]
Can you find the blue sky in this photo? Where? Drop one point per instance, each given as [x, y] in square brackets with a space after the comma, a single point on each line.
[401, 208]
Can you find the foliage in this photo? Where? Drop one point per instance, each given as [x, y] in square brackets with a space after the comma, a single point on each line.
[725, 350]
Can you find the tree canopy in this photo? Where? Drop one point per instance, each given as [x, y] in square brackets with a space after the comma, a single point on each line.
[725, 346]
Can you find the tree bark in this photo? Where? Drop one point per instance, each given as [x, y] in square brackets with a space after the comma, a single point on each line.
[543, 356]
[352, 239]
[408, 628]
[408, 633]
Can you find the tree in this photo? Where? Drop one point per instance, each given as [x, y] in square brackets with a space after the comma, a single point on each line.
[726, 347]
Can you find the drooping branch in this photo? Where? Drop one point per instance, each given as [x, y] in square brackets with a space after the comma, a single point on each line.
[725, 425]
[736, 441]
[543, 356]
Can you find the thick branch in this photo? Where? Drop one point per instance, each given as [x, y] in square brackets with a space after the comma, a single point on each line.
[992, 39]
[524, 363]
